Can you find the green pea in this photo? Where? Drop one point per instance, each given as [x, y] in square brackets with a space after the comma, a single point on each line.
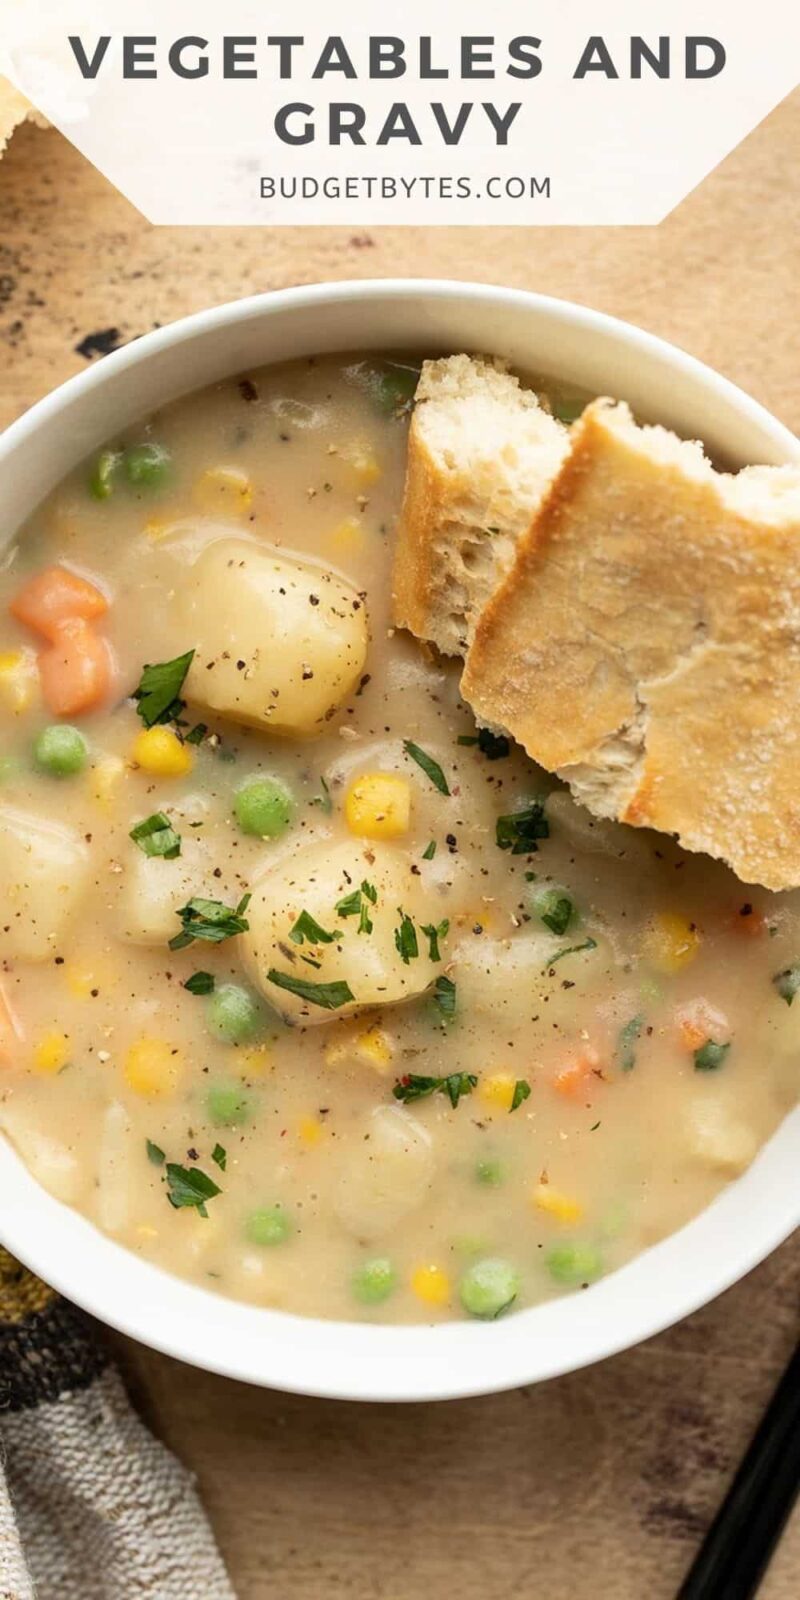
[60, 750]
[268, 1225]
[262, 806]
[374, 1281]
[104, 471]
[554, 908]
[489, 1287]
[574, 1264]
[228, 1105]
[489, 1172]
[233, 1013]
[395, 389]
[147, 465]
[568, 410]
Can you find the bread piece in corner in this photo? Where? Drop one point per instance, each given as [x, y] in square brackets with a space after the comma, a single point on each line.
[481, 454]
[646, 643]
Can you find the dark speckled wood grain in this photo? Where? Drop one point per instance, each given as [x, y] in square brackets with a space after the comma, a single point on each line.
[597, 1486]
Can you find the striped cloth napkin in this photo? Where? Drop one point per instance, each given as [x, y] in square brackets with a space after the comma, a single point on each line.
[92, 1507]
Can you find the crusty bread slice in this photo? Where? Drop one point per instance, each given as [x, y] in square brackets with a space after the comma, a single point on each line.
[481, 454]
[646, 643]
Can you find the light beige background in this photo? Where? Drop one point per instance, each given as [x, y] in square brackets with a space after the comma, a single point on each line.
[597, 1486]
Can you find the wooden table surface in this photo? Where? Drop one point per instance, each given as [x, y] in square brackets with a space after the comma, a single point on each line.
[596, 1486]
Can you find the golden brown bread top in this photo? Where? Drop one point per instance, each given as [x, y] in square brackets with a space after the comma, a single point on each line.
[646, 643]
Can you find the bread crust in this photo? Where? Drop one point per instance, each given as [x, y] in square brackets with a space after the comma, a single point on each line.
[646, 644]
[481, 453]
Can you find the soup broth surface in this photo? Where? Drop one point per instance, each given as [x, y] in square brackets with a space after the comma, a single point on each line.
[586, 1032]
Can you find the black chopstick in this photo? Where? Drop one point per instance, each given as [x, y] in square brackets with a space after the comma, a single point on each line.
[743, 1535]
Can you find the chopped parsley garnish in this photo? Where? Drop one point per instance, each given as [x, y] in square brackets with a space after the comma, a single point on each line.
[430, 767]
[627, 1042]
[188, 1186]
[520, 831]
[572, 950]
[414, 1087]
[405, 938]
[522, 1089]
[210, 920]
[444, 996]
[197, 734]
[155, 1153]
[330, 996]
[307, 928]
[323, 800]
[554, 909]
[433, 935]
[787, 983]
[156, 837]
[220, 1155]
[357, 904]
[158, 694]
[200, 983]
[494, 746]
[710, 1056]
[429, 851]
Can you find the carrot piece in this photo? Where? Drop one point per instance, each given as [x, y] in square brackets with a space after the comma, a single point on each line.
[572, 1080]
[55, 596]
[10, 1030]
[699, 1021]
[77, 670]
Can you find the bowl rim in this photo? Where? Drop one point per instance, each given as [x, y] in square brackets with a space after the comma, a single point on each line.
[376, 1362]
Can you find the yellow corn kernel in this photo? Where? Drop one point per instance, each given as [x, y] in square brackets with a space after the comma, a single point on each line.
[363, 466]
[87, 974]
[157, 528]
[105, 779]
[19, 679]
[431, 1285]
[497, 1090]
[486, 916]
[255, 1063]
[310, 1131]
[558, 1205]
[375, 1047]
[159, 751]
[378, 806]
[348, 535]
[223, 489]
[152, 1068]
[51, 1053]
[670, 942]
[371, 1046]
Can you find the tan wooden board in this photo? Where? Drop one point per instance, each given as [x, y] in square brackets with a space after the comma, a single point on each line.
[597, 1486]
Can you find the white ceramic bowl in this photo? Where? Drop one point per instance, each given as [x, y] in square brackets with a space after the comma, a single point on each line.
[356, 1361]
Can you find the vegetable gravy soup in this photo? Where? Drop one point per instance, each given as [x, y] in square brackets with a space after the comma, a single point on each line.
[312, 991]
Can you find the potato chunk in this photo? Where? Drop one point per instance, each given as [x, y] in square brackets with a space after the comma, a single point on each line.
[279, 643]
[386, 1173]
[44, 868]
[314, 880]
[152, 888]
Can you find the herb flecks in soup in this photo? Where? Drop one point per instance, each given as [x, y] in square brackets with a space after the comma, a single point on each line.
[312, 991]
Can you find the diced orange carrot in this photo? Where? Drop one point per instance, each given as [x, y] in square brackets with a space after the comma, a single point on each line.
[699, 1021]
[76, 671]
[10, 1030]
[573, 1079]
[55, 596]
